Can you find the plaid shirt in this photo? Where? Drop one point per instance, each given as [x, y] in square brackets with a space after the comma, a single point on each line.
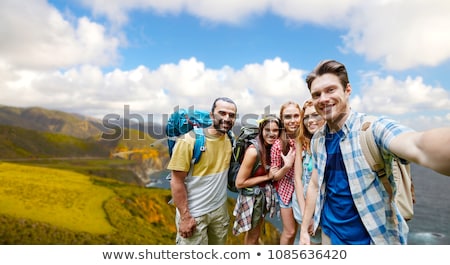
[243, 209]
[369, 196]
[284, 186]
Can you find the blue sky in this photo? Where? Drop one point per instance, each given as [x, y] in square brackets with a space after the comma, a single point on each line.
[93, 57]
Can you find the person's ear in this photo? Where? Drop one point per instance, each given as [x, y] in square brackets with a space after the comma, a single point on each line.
[348, 89]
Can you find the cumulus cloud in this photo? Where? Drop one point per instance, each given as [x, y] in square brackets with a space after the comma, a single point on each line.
[228, 11]
[401, 34]
[89, 91]
[319, 12]
[410, 101]
[36, 36]
[398, 97]
[257, 89]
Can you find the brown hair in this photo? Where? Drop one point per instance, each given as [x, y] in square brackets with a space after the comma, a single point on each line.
[329, 67]
[265, 150]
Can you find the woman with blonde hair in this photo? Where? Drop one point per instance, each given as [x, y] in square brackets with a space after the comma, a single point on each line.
[311, 122]
[282, 162]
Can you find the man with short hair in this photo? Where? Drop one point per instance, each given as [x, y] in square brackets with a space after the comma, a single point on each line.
[200, 198]
[350, 202]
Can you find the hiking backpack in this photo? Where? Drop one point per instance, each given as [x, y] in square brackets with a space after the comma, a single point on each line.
[246, 137]
[405, 195]
[183, 121]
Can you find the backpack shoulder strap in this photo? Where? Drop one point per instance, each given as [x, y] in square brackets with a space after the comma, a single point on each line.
[199, 145]
[258, 155]
[372, 153]
[370, 148]
[232, 138]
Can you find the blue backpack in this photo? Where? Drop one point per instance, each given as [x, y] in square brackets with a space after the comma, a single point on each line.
[183, 121]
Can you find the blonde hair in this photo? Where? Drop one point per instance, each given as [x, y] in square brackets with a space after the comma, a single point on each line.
[305, 137]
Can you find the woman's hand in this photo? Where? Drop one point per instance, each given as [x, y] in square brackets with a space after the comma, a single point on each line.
[289, 158]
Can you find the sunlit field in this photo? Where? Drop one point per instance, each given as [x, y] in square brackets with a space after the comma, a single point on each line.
[64, 198]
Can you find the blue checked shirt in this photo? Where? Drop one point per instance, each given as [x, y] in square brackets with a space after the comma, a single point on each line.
[380, 217]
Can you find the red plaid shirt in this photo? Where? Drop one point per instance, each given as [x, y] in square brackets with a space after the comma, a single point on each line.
[284, 186]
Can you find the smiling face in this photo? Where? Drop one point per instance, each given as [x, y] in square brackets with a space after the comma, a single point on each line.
[290, 116]
[271, 132]
[312, 120]
[223, 116]
[331, 100]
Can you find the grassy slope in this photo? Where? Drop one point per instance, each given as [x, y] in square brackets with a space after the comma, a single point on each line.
[48, 206]
[17, 142]
[64, 198]
[66, 205]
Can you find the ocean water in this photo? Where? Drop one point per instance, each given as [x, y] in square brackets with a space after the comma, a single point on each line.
[431, 222]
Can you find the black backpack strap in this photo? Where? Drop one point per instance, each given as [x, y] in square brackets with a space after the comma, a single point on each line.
[258, 155]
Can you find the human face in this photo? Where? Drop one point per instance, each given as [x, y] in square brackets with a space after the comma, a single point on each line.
[271, 131]
[312, 120]
[291, 119]
[330, 99]
[224, 116]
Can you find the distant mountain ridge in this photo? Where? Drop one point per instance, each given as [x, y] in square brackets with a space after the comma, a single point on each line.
[17, 142]
[73, 124]
[38, 133]
[44, 120]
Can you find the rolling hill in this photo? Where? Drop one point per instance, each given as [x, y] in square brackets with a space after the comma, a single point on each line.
[17, 142]
[44, 120]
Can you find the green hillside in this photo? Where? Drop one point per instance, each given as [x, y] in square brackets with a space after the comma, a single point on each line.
[16, 142]
[40, 205]
[45, 120]
[44, 194]
[51, 206]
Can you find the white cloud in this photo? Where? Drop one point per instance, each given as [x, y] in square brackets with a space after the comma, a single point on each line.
[421, 122]
[410, 101]
[401, 34]
[36, 36]
[221, 11]
[256, 88]
[320, 12]
[88, 91]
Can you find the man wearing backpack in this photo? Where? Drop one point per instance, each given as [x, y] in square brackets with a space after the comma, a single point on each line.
[200, 193]
[349, 200]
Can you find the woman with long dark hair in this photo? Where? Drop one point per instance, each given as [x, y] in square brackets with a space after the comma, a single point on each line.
[256, 196]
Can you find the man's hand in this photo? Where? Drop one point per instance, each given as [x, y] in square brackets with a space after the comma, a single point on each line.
[187, 226]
